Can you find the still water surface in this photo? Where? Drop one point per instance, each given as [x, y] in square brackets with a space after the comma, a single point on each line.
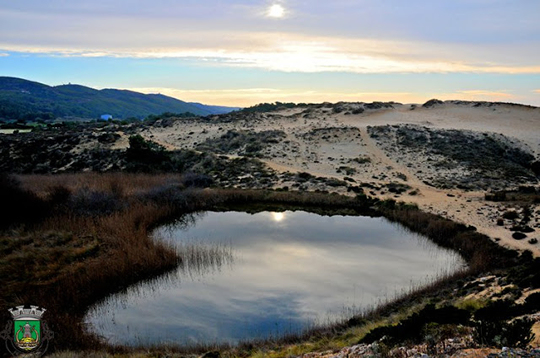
[264, 275]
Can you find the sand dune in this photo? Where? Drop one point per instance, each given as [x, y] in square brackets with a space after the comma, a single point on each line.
[338, 145]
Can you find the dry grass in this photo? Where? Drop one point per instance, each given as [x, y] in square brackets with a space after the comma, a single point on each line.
[77, 255]
[127, 183]
[68, 261]
[477, 249]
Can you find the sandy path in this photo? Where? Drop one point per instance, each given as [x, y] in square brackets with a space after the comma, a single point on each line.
[382, 158]
[324, 157]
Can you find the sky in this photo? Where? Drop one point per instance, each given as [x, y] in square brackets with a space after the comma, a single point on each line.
[240, 52]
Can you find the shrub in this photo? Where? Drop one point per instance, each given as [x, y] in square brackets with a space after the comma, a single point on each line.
[487, 333]
[532, 302]
[146, 156]
[197, 180]
[496, 311]
[527, 275]
[19, 205]
[517, 333]
[94, 203]
[492, 328]
[431, 103]
[304, 175]
[495, 196]
[362, 160]
[510, 215]
[522, 228]
[519, 235]
[414, 327]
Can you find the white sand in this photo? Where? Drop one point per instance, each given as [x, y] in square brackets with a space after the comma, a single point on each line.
[347, 138]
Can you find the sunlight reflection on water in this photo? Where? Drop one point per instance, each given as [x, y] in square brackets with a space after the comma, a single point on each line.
[247, 276]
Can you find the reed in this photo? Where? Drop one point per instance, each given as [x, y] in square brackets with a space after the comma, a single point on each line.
[91, 237]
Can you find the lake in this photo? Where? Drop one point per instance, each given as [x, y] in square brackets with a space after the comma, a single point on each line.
[252, 276]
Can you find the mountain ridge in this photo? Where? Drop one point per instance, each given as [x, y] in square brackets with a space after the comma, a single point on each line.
[25, 99]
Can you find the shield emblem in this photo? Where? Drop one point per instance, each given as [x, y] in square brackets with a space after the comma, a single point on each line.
[27, 333]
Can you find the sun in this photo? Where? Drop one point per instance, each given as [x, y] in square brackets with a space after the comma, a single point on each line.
[276, 11]
[278, 216]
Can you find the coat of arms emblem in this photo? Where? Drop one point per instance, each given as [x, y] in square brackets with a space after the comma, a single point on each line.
[27, 333]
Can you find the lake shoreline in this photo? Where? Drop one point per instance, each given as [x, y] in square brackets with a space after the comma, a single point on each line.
[245, 276]
[157, 203]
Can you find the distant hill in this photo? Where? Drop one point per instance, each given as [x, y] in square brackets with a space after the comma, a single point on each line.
[23, 99]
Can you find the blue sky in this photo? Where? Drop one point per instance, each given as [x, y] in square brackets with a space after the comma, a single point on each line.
[246, 52]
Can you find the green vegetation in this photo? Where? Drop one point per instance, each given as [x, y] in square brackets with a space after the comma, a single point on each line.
[242, 142]
[26, 100]
[41, 153]
[413, 328]
[269, 107]
[462, 159]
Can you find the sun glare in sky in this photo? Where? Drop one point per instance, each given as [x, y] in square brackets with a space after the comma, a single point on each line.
[246, 52]
[276, 11]
[278, 216]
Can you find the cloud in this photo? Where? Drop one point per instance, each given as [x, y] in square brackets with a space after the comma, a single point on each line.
[4, 54]
[338, 36]
[537, 91]
[290, 52]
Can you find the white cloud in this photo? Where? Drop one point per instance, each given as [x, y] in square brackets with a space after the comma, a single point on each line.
[537, 91]
[4, 54]
[291, 52]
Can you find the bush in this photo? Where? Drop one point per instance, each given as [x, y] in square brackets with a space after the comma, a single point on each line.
[20, 206]
[532, 303]
[527, 275]
[58, 197]
[362, 160]
[146, 156]
[196, 180]
[413, 328]
[519, 235]
[517, 333]
[510, 215]
[492, 328]
[432, 102]
[495, 196]
[496, 311]
[94, 203]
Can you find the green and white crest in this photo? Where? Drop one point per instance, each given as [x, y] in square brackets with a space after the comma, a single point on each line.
[27, 333]
[27, 327]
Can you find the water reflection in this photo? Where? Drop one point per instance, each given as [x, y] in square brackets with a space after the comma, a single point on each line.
[200, 259]
[252, 276]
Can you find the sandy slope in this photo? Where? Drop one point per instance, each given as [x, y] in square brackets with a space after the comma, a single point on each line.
[345, 138]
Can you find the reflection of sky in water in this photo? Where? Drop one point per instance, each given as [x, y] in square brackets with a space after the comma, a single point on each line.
[288, 271]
